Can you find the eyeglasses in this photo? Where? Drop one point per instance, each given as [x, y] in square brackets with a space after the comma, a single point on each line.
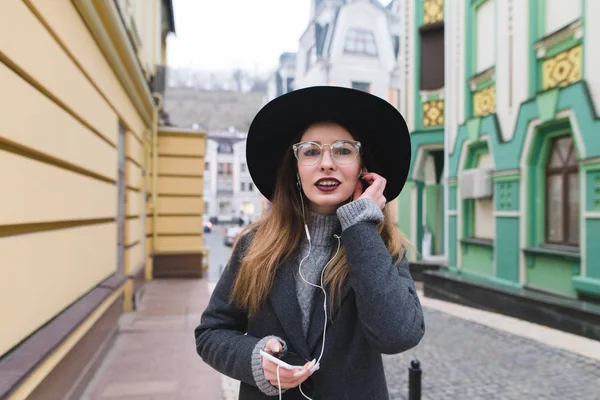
[342, 151]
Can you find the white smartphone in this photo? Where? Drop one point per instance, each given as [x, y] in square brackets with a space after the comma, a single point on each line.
[280, 362]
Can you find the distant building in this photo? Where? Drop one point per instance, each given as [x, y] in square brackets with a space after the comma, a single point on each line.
[229, 193]
[351, 43]
[282, 80]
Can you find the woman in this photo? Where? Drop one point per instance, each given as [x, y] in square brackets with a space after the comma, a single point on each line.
[322, 278]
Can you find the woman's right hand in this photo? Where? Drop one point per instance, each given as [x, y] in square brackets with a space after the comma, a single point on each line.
[289, 379]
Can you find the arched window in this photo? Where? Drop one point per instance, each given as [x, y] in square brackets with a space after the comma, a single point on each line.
[562, 193]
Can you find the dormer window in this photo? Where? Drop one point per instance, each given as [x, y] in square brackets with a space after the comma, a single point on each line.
[360, 41]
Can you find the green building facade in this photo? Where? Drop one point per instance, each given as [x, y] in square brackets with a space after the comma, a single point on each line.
[506, 151]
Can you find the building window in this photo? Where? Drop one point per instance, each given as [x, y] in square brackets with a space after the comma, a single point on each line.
[360, 41]
[243, 186]
[562, 193]
[432, 57]
[364, 86]
[225, 147]
[243, 167]
[289, 85]
[220, 168]
[485, 36]
[560, 13]
[480, 222]
[250, 187]
[311, 57]
[206, 166]
[224, 208]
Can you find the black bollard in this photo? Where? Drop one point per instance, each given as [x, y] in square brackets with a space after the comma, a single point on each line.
[414, 380]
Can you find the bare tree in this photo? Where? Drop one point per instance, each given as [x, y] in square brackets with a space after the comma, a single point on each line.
[238, 76]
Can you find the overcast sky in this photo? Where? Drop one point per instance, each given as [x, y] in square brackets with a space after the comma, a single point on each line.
[229, 34]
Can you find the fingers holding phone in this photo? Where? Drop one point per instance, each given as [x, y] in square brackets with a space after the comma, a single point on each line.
[288, 378]
[376, 185]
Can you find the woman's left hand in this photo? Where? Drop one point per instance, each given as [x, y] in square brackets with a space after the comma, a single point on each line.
[374, 191]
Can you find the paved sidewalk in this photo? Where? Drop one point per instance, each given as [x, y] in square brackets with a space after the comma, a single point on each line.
[552, 337]
[154, 355]
[488, 354]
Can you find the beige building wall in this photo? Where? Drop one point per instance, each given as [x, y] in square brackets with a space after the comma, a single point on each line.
[143, 20]
[69, 90]
[176, 230]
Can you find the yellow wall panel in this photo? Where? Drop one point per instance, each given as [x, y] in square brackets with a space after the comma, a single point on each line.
[189, 146]
[134, 203]
[133, 174]
[144, 13]
[171, 185]
[134, 258]
[179, 243]
[173, 225]
[37, 122]
[149, 245]
[72, 260]
[180, 166]
[135, 230]
[149, 225]
[180, 205]
[39, 55]
[37, 192]
[64, 20]
[135, 150]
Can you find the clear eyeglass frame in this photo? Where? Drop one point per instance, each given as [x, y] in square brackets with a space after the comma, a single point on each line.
[338, 143]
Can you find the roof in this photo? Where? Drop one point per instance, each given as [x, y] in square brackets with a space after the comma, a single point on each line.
[170, 15]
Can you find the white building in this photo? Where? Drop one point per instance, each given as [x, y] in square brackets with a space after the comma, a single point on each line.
[351, 43]
[229, 193]
[282, 79]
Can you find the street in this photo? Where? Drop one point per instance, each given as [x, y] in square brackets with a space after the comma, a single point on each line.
[462, 359]
[219, 253]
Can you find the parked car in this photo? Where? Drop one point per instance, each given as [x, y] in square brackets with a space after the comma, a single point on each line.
[207, 225]
[231, 234]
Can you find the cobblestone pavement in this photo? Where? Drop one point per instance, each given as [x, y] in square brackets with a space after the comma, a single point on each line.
[468, 361]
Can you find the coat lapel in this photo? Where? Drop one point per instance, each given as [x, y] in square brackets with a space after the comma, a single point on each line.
[284, 300]
[317, 319]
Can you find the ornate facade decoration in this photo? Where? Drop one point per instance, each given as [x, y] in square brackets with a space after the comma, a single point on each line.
[433, 11]
[433, 113]
[563, 69]
[484, 101]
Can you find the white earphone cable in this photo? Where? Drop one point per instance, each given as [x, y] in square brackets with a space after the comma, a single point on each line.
[279, 381]
[316, 286]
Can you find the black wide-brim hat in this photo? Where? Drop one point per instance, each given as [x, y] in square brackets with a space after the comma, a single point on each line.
[369, 119]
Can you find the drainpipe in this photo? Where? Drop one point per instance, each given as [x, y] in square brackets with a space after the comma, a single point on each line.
[154, 143]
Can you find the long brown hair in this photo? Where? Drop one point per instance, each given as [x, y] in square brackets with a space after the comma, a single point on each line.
[279, 233]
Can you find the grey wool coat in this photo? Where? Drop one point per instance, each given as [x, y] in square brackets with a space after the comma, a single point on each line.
[380, 313]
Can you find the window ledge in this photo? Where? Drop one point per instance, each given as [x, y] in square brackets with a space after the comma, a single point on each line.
[478, 79]
[572, 30]
[436, 94]
[478, 242]
[559, 252]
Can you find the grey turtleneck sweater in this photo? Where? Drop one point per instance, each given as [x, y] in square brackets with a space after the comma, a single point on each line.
[323, 245]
